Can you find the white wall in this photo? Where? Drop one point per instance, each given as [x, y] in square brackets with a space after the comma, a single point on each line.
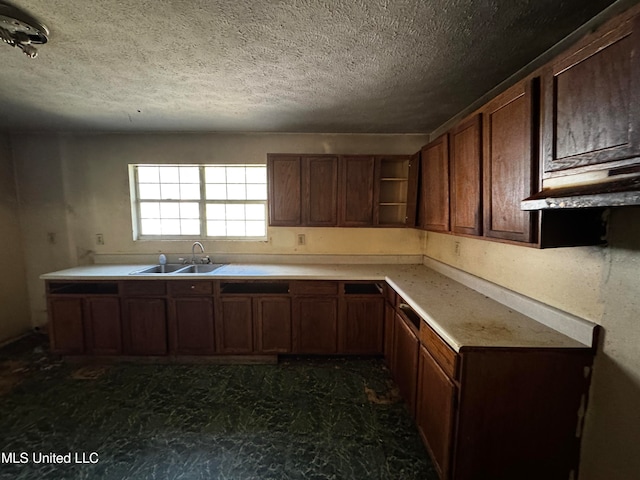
[600, 284]
[76, 186]
[14, 307]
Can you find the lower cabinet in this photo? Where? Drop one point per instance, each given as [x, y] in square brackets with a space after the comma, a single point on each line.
[435, 404]
[405, 361]
[87, 324]
[103, 325]
[389, 333]
[145, 326]
[361, 325]
[191, 328]
[272, 325]
[234, 325]
[315, 325]
[66, 327]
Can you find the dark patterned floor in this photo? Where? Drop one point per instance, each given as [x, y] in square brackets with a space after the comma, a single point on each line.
[304, 418]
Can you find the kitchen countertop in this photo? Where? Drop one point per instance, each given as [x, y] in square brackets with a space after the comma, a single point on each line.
[463, 317]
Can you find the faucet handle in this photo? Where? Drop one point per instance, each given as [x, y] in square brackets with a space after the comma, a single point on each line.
[205, 259]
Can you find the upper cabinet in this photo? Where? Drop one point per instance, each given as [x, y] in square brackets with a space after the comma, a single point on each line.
[285, 194]
[413, 184]
[319, 191]
[509, 163]
[433, 203]
[395, 190]
[591, 102]
[338, 190]
[356, 190]
[302, 190]
[466, 177]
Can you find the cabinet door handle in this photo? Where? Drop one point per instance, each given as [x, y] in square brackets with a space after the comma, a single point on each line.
[193, 287]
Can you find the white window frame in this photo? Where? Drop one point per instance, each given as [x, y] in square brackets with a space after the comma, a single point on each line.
[202, 203]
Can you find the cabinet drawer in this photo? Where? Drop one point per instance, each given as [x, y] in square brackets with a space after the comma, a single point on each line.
[144, 287]
[314, 288]
[446, 357]
[185, 287]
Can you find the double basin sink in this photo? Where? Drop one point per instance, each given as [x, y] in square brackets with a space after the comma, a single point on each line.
[177, 268]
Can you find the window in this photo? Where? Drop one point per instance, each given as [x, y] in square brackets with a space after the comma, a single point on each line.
[205, 201]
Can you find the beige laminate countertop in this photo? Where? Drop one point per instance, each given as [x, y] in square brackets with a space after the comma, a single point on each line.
[463, 317]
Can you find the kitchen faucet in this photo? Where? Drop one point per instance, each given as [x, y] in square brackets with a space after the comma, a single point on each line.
[193, 252]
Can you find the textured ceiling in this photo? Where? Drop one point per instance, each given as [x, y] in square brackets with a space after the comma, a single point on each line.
[376, 66]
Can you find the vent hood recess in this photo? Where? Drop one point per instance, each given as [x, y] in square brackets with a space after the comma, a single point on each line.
[616, 193]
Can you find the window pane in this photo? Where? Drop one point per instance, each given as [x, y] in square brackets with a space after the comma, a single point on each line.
[149, 191]
[149, 210]
[170, 191]
[170, 227]
[169, 174]
[255, 212]
[216, 228]
[190, 191]
[190, 175]
[235, 229]
[256, 229]
[235, 212]
[256, 191]
[189, 210]
[170, 210]
[215, 175]
[236, 192]
[257, 174]
[148, 175]
[236, 175]
[217, 191]
[150, 227]
[190, 227]
[216, 211]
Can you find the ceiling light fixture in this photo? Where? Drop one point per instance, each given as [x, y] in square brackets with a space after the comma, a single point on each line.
[19, 29]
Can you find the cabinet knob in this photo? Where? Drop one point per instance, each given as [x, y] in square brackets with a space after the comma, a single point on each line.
[193, 287]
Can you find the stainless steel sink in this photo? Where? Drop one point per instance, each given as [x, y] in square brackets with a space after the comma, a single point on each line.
[201, 268]
[168, 268]
[175, 268]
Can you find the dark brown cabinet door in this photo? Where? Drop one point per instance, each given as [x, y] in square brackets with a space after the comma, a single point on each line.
[509, 164]
[361, 325]
[405, 364]
[66, 326]
[192, 326]
[466, 178]
[272, 324]
[103, 326]
[285, 196]
[433, 205]
[234, 325]
[145, 321]
[389, 328]
[591, 105]
[435, 406]
[356, 190]
[315, 324]
[413, 183]
[319, 191]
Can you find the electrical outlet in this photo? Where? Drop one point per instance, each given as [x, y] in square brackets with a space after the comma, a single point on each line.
[302, 239]
[457, 251]
[51, 238]
[99, 239]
